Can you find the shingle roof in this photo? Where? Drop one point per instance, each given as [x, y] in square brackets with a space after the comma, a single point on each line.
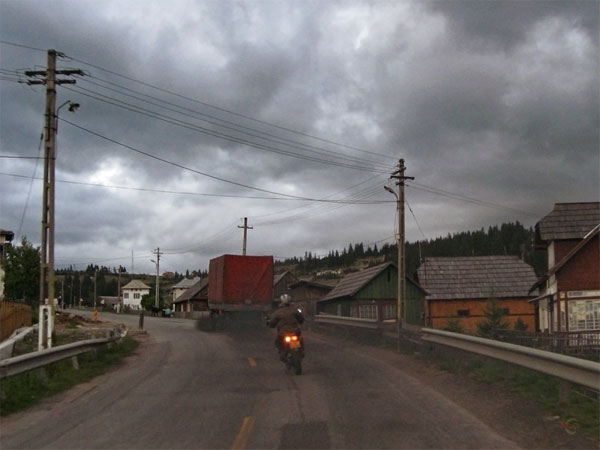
[136, 284]
[354, 282]
[476, 277]
[278, 278]
[186, 283]
[193, 291]
[568, 221]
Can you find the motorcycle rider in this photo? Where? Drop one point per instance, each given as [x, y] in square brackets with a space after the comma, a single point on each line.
[287, 320]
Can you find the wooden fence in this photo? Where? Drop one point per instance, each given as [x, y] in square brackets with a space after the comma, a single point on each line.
[12, 317]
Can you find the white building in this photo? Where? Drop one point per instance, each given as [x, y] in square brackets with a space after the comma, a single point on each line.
[133, 293]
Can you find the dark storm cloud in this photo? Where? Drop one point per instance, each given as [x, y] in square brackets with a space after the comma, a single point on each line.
[492, 100]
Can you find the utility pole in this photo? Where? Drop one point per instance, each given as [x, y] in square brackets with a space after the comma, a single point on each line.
[400, 309]
[47, 250]
[119, 291]
[246, 228]
[157, 253]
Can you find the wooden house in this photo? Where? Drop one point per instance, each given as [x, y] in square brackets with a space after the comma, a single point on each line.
[281, 285]
[459, 288]
[306, 294]
[193, 299]
[569, 297]
[373, 294]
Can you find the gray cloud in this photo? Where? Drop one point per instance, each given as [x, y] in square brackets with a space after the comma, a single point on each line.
[491, 100]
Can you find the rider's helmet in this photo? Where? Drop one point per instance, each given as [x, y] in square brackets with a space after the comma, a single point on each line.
[285, 299]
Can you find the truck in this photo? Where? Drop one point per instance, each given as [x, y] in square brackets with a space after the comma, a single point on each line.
[239, 287]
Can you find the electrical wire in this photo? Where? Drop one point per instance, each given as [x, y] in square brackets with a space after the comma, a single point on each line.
[29, 191]
[206, 131]
[180, 166]
[226, 110]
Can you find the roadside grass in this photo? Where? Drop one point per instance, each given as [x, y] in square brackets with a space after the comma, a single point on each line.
[578, 408]
[24, 390]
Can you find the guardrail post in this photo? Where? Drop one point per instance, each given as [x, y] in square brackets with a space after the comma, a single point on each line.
[75, 362]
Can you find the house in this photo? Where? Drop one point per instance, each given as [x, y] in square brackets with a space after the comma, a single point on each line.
[195, 298]
[182, 286]
[569, 298]
[109, 302]
[306, 294]
[373, 294]
[133, 293]
[6, 238]
[281, 285]
[459, 288]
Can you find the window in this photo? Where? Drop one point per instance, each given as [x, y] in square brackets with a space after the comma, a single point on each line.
[505, 311]
[367, 311]
[126, 295]
[389, 311]
[584, 315]
[136, 295]
[463, 312]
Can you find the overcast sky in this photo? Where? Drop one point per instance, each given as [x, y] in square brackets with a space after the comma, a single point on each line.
[196, 114]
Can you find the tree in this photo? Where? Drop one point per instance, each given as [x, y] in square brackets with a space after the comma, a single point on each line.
[493, 322]
[22, 273]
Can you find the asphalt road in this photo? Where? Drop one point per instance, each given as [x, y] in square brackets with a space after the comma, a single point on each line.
[187, 388]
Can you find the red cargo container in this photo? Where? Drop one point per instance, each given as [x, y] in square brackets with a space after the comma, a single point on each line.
[240, 283]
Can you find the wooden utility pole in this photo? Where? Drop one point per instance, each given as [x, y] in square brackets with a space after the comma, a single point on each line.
[246, 228]
[400, 309]
[47, 250]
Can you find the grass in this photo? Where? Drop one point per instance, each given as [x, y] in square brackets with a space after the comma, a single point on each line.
[24, 390]
[573, 404]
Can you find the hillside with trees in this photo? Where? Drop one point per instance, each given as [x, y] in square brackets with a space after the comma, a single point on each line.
[506, 239]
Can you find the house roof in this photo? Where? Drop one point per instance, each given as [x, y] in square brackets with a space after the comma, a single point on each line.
[193, 291]
[186, 283]
[476, 277]
[280, 277]
[136, 284]
[568, 221]
[560, 264]
[301, 283]
[354, 282]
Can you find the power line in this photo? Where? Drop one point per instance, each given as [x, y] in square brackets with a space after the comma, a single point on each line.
[14, 44]
[30, 187]
[229, 125]
[164, 191]
[180, 166]
[187, 125]
[228, 111]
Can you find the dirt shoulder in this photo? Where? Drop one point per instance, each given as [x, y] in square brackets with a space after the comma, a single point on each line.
[520, 419]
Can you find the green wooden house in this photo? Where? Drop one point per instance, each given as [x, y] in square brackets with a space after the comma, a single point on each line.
[372, 294]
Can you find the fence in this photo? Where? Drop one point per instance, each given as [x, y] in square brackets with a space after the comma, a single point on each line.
[585, 344]
[12, 317]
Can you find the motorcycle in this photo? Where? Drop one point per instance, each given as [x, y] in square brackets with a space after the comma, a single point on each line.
[292, 352]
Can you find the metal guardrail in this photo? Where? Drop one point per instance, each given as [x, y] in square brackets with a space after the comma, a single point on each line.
[575, 370]
[351, 321]
[35, 360]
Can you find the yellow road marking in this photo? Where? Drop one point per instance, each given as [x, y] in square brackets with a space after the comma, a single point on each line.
[242, 438]
[252, 362]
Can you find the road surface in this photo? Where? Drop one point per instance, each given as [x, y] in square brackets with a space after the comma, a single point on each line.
[188, 389]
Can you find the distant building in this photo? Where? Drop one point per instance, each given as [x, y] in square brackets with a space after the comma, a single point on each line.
[459, 288]
[182, 286]
[305, 295]
[373, 294]
[133, 293]
[193, 300]
[281, 285]
[569, 299]
[6, 238]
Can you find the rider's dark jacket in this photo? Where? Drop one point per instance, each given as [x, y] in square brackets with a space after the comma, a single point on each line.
[286, 319]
